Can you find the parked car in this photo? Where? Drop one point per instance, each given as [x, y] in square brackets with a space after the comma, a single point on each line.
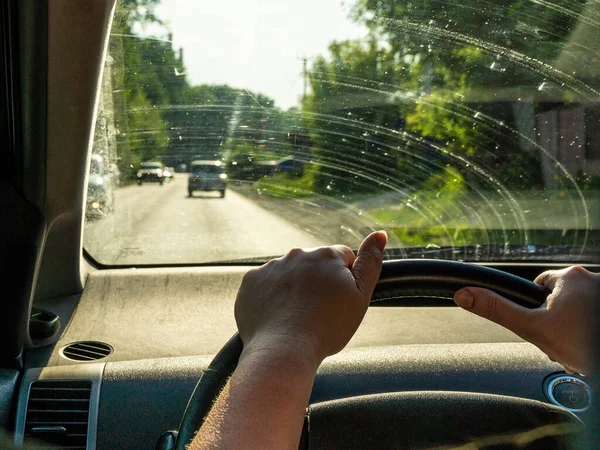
[242, 168]
[265, 168]
[207, 176]
[291, 165]
[150, 172]
[100, 189]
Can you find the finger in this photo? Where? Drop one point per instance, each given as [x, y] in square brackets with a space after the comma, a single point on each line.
[548, 279]
[494, 307]
[367, 266]
[345, 253]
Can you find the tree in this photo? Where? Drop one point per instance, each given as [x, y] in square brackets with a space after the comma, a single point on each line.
[439, 85]
[349, 109]
[213, 120]
[146, 79]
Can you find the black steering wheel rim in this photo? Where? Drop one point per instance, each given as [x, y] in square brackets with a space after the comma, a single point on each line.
[450, 276]
[399, 274]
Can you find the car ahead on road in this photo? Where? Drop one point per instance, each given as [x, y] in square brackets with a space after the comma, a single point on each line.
[100, 189]
[151, 172]
[207, 176]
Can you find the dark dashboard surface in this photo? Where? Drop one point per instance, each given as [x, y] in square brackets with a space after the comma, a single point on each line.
[141, 399]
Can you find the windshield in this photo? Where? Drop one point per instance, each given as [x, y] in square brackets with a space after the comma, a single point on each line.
[467, 130]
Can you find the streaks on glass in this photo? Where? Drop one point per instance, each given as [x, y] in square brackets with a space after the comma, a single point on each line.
[468, 129]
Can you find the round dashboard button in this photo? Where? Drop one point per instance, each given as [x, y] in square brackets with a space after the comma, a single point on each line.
[570, 393]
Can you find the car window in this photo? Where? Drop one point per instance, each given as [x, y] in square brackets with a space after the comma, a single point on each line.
[150, 166]
[206, 169]
[467, 130]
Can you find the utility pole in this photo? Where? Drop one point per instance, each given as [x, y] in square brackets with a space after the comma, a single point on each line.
[304, 59]
[305, 75]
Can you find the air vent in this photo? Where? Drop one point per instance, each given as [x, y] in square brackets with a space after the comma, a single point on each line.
[57, 414]
[86, 351]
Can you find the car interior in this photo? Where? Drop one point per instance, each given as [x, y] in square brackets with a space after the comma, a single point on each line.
[107, 354]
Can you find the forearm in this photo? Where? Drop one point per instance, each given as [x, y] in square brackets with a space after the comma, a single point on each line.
[262, 405]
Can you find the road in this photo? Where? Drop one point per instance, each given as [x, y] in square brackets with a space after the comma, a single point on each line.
[154, 224]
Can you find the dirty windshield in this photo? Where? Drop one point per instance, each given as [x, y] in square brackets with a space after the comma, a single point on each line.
[469, 130]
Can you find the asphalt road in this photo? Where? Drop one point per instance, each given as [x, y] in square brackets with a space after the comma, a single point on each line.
[154, 224]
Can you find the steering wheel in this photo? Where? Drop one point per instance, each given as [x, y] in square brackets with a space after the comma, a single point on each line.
[342, 423]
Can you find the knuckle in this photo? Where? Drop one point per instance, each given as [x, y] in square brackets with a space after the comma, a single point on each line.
[545, 275]
[250, 275]
[270, 262]
[541, 279]
[346, 249]
[327, 252]
[547, 278]
[491, 306]
[295, 252]
[575, 270]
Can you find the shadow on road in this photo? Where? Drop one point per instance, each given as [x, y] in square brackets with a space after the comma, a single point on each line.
[204, 197]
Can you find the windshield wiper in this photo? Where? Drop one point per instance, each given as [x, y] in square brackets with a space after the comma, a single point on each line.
[499, 252]
[477, 253]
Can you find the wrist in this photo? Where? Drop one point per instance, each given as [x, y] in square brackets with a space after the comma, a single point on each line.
[282, 354]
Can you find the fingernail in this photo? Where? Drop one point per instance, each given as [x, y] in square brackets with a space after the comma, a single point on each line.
[464, 299]
[381, 239]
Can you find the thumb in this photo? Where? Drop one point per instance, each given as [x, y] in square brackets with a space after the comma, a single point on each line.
[494, 307]
[367, 265]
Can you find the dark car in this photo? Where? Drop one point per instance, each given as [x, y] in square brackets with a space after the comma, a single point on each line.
[291, 165]
[150, 172]
[207, 176]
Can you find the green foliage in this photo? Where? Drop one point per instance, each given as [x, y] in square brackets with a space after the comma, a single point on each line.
[159, 115]
[349, 100]
[284, 186]
[447, 185]
[136, 12]
[139, 85]
[450, 75]
[520, 25]
[146, 135]
[214, 119]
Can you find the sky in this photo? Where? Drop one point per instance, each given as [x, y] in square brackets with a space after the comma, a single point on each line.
[256, 44]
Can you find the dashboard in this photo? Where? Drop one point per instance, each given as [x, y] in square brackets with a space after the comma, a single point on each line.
[133, 402]
[137, 341]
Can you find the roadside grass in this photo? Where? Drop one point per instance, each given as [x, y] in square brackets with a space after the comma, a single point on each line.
[281, 185]
[468, 219]
[442, 237]
[457, 217]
